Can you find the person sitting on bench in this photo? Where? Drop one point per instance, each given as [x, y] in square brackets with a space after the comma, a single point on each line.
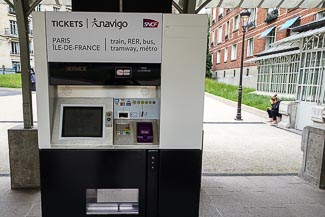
[273, 111]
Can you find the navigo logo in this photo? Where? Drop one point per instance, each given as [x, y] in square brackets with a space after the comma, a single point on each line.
[148, 23]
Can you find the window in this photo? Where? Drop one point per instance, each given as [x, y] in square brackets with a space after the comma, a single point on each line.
[15, 47]
[13, 27]
[227, 36]
[272, 14]
[270, 38]
[272, 10]
[219, 40]
[212, 58]
[68, 8]
[31, 51]
[213, 35]
[234, 52]
[278, 74]
[214, 14]
[225, 57]
[56, 8]
[16, 66]
[218, 56]
[38, 7]
[320, 15]
[252, 18]
[11, 10]
[236, 22]
[220, 12]
[250, 47]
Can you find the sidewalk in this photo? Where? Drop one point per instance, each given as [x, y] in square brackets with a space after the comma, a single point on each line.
[230, 147]
[250, 146]
[10, 115]
[281, 196]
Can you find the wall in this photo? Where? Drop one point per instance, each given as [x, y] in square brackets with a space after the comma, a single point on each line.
[235, 37]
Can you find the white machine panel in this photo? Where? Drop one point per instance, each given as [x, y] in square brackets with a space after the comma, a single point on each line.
[182, 81]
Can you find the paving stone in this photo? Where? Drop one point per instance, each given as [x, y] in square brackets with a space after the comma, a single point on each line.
[217, 192]
[206, 207]
[257, 199]
[227, 204]
[4, 185]
[308, 210]
[14, 209]
[35, 210]
[292, 180]
[21, 196]
[271, 212]
[269, 181]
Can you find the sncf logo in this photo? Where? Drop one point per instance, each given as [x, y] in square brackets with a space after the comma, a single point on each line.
[148, 23]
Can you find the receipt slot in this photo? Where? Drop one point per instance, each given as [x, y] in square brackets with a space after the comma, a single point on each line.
[119, 125]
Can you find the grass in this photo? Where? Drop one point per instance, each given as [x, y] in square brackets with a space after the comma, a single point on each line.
[230, 92]
[10, 80]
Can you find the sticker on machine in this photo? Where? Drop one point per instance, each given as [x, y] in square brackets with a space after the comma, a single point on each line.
[104, 37]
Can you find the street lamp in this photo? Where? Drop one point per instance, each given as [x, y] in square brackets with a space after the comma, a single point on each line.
[245, 16]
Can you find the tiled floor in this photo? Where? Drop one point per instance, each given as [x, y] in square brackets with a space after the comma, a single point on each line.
[260, 196]
[239, 196]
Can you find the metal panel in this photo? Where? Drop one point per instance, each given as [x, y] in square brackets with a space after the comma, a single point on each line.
[66, 174]
[289, 23]
[311, 3]
[290, 4]
[182, 102]
[43, 101]
[269, 3]
[266, 3]
[267, 32]
[179, 183]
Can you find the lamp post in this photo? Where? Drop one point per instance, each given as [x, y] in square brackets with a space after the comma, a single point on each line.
[245, 16]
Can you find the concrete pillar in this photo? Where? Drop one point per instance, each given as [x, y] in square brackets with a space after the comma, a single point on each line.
[24, 158]
[313, 144]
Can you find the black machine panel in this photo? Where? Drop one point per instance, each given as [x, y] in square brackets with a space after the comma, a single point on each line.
[137, 74]
[168, 181]
[179, 183]
[139, 6]
[66, 174]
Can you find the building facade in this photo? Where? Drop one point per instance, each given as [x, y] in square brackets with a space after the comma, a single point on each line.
[297, 69]
[265, 26]
[9, 39]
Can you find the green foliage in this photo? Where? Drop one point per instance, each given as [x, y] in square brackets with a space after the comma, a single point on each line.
[231, 92]
[208, 72]
[208, 64]
[10, 80]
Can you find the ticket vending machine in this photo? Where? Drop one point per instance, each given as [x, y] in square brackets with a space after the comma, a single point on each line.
[120, 113]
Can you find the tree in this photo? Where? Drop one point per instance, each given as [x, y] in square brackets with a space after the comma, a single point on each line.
[208, 64]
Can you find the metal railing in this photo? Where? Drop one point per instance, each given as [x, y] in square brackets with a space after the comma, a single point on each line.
[11, 32]
[5, 71]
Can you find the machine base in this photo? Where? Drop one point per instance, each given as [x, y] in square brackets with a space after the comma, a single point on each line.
[143, 183]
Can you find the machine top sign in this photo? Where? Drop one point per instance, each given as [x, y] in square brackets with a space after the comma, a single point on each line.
[103, 37]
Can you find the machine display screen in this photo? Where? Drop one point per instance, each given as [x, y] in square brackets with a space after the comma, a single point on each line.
[81, 121]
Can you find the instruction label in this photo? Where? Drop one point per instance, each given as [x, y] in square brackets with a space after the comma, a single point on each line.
[103, 37]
